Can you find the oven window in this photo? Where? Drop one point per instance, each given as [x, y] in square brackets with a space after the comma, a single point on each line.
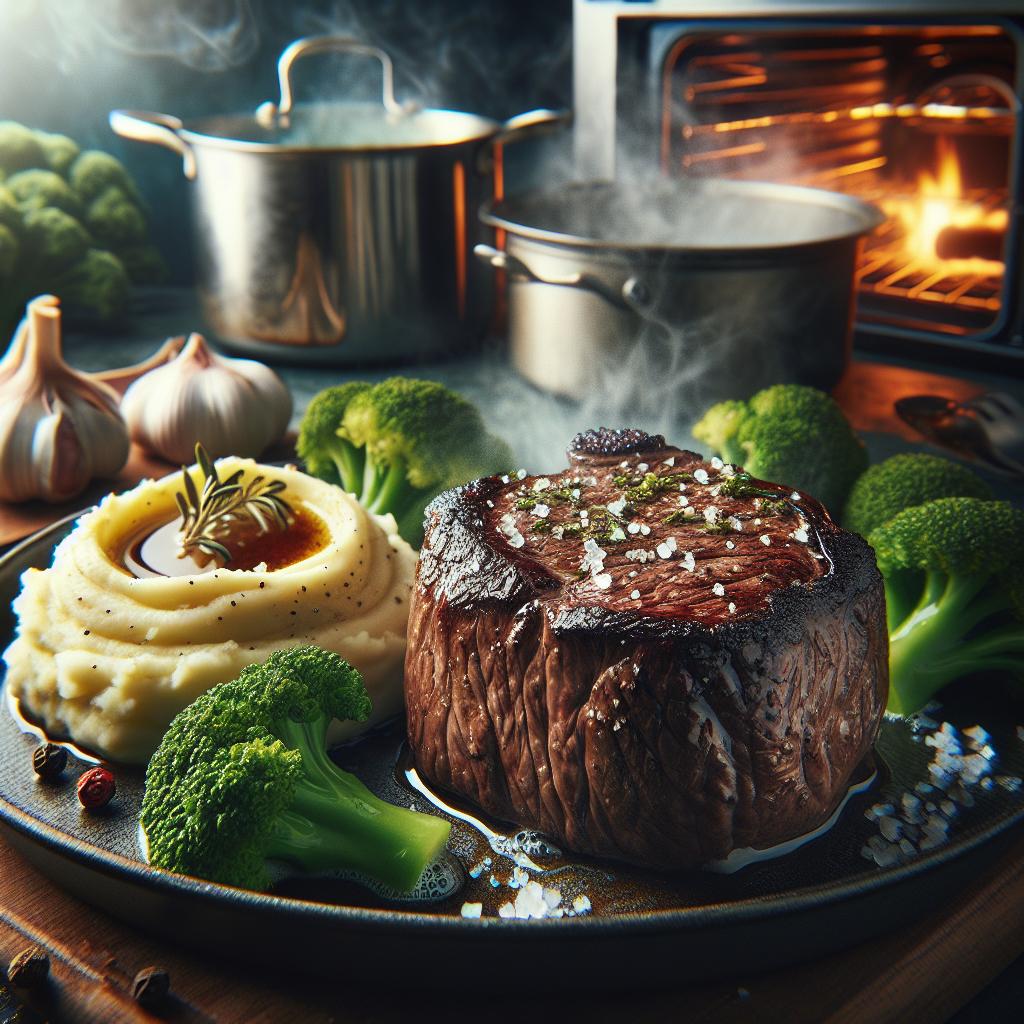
[919, 120]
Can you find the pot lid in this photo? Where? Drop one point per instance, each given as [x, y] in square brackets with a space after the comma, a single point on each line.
[342, 126]
[684, 215]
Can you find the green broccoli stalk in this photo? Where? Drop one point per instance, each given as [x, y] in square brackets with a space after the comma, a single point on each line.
[951, 568]
[904, 481]
[792, 434]
[242, 776]
[396, 445]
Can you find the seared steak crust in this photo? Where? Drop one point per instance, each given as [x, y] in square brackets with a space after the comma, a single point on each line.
[646, 716]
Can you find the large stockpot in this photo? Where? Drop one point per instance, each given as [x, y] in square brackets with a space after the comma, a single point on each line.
[729, 286]
[339, 232]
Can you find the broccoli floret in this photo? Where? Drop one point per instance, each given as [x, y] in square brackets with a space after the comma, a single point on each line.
[952, 571]
[19, 148]
[8, 254]
[396, 445]
[242, 776]
[61, 152]
[95, 171]
[36, 189]
[10, 215]
[143, 263]
[97, 284]
[904, 481]
[790, 434]
[114, 219]
[54, 241]
[717, 428]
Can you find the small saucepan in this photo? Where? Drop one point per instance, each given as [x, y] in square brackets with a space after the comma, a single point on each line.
[340, 232]
[731, 285]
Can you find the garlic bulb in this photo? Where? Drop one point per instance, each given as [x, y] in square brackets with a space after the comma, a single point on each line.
[229, 406]
[58, 428]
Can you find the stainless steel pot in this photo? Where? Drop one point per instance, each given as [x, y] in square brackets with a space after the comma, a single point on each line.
[339, 232]
[728, 285]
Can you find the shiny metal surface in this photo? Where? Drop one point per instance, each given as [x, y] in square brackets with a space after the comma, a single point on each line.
[339, 233]
[729, 319]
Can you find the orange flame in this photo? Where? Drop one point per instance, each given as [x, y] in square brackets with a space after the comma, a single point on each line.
[939, 204]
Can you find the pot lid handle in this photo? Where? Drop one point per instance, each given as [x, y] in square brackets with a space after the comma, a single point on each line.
[270, 114]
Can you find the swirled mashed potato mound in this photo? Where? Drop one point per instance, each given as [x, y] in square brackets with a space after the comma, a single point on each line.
[108, 659]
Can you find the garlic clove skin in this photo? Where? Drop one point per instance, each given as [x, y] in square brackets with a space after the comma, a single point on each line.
[229, 406]
[58, 428]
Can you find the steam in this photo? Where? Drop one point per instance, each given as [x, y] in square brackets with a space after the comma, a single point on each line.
[206, 35]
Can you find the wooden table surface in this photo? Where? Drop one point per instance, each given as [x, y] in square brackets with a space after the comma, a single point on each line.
[922, 973]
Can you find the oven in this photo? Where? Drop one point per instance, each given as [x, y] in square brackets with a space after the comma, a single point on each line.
[915, 106]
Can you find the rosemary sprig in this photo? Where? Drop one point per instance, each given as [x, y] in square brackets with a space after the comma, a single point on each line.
[212, 509]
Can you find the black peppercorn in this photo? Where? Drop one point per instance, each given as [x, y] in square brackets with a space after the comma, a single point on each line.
[29, 969]
[49, 760]
[150, 987]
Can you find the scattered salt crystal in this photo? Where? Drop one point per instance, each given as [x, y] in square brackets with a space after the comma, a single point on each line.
[732, 608]
[728, 470]
[506, 910]
[718, 590]
[700, 475]
[633, 528]
[844, 728]
[542, 483]
[710, 514]
[1011, 783]
[634, 595]
[644, 530]
[765, 539]
[794, 496]
[716, 462]
[541, 510]
[689, 563]
[617, 534]
[683, 500]
[642, 467]
[520, 474]
[670, 461]
[602, 581]
[575, 492]
[800, 534]
[907, 847]
[690, 512]
[729, 544]
[616, 507]
[581, 904]
[472, 909]
[552, 897]
[977, 737]
[890, 828]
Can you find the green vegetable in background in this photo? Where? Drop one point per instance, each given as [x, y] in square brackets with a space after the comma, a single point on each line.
[954, 590]
[78, 224]
[243, 776]
[903, 481]
[396, 445]
[789, 434]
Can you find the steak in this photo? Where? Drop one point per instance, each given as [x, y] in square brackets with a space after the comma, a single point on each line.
[647, 656]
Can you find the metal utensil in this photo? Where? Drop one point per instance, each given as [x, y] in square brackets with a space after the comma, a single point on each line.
[988, 429]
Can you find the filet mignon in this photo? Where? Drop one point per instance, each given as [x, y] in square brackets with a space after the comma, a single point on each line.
[646, 656]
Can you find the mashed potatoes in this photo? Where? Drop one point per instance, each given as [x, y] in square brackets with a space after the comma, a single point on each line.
[108, 659]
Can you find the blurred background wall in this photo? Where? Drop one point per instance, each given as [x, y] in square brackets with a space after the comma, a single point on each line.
[64, 64]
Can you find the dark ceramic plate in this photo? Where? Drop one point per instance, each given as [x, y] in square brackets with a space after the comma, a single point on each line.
[839, 889]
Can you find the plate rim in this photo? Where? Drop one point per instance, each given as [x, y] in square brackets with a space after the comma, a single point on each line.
[747, 909]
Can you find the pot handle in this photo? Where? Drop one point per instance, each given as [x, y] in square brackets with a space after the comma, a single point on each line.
[162, 129]
[533, 122]
[269, 114]
[632, 297]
